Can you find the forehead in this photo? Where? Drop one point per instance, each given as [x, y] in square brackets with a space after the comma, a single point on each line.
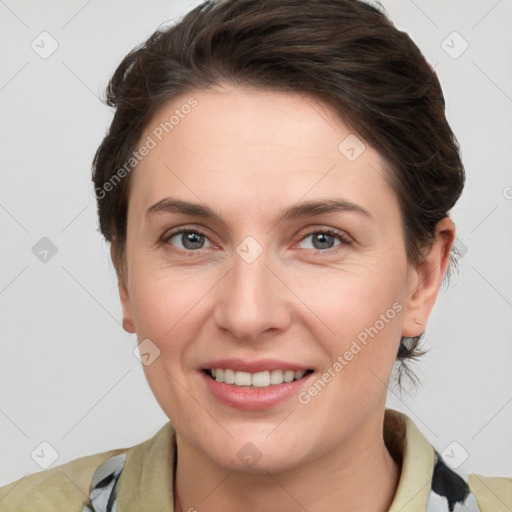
[234, 146]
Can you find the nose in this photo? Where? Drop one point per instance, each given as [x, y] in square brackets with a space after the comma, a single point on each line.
[252, 300]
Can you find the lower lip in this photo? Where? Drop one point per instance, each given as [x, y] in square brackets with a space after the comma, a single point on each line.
[254, 399]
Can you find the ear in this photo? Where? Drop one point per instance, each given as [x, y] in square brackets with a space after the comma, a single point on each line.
[119, 265]
[425, 280]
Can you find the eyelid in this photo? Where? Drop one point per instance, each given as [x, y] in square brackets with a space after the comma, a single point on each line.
[344, 238]
[184, 229]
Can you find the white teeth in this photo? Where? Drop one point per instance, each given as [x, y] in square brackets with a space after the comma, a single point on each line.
[261, 379]
[289, 375]
[229, 376]
[276, 377]
[242, 378]
[257, 380]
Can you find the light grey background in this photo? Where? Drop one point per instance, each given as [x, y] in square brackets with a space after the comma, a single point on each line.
[67, 369]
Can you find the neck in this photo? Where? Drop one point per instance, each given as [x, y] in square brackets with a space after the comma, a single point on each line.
[338, 481]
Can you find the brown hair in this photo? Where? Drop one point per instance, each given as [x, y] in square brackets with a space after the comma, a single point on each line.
[345, 53]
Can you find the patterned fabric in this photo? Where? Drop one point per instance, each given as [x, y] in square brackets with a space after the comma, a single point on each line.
[449, 491]
[103, 486]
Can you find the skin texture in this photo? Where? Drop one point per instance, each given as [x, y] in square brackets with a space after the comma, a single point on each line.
[248, 154]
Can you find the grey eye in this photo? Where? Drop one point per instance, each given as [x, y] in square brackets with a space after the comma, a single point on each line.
[321, 240]
[190, 240]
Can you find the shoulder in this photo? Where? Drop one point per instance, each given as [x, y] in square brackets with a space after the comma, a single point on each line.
[65, 487]
[476, 493]
[450, 490]
[83, 484]
[492, 493]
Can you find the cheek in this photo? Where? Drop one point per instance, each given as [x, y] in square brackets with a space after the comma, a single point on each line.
[365, 314]
[165, 308]
[360, 325]
[164, 299]
[348, 301]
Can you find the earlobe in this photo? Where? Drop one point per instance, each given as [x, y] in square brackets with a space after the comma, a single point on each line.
[425, 280]
[128, 324]
[124, 296]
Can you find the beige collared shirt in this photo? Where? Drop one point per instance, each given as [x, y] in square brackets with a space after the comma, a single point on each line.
[140, 479]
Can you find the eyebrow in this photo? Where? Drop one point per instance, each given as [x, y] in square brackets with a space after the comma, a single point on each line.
[301, 210]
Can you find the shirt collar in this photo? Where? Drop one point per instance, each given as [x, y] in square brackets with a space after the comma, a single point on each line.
[417, 454]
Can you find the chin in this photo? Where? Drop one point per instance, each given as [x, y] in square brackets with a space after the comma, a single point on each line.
[268, 463]
[259, 456]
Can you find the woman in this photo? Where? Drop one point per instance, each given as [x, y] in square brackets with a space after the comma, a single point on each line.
[276, 186]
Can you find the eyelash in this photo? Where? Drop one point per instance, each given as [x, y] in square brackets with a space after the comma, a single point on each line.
[342, 237]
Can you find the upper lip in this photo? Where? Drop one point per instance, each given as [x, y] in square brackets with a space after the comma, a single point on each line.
[260, 365]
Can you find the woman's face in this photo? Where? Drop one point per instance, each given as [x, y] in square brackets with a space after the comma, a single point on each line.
[300, 265]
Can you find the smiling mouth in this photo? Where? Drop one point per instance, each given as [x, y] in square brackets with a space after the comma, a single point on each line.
[255, 380]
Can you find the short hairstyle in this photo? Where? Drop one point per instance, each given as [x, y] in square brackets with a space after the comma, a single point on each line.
[345, 53]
